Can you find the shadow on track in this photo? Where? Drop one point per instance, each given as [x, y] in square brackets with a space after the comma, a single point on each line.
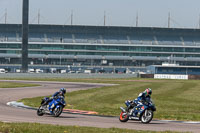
[151, 123]
[61, 117]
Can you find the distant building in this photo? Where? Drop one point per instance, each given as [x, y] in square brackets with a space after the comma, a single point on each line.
[173, 69]
[101, 45]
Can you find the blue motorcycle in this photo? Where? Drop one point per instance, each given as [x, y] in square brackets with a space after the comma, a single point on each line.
[53, 107]
[142, 112]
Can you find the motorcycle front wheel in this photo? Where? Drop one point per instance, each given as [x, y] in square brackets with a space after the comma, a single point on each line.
[58, 111]
[123, 117]
[147, 116]
[40, 111]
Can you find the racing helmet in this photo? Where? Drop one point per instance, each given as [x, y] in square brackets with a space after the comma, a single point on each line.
[63, 90]
[148, 91]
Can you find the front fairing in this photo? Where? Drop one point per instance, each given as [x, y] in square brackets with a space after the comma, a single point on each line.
[142, 107]
[60, 100]
[52, 104]
[152, 105]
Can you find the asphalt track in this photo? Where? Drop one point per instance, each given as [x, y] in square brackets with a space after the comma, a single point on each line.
[13, 114]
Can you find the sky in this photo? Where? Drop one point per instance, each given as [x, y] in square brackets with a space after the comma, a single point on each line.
[151, 13]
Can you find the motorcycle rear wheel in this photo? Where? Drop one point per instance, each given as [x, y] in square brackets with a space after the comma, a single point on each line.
[58, 111]
[123, 117]
[40, 112]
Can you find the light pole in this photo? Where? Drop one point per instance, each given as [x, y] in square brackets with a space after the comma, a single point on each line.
[25, 29]
[60, 60]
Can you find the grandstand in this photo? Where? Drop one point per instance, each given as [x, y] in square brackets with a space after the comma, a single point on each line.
[100, 45]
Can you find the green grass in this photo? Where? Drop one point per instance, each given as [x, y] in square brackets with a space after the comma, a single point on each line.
[44, 128]
[15, 85]
[174, 99]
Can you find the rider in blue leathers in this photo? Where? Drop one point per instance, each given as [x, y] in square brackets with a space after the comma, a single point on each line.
[61, 92]
[140, 99]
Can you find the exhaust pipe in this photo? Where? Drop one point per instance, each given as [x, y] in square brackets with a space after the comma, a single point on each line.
[123, 110]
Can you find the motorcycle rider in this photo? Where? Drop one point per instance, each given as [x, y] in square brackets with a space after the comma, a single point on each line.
[141, 99]
[61, 92]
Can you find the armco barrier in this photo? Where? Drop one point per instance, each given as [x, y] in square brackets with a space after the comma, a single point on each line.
[194, 77]
[147, 75]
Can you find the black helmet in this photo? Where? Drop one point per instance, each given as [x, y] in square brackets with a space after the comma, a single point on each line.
[63, 90]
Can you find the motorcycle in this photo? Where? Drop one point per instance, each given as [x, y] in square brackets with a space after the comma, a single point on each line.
[142, 112]
[53, 107]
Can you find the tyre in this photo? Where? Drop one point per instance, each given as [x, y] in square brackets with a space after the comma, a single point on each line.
[147, 116]
[40, 111]
[124, 117]
[58, 111]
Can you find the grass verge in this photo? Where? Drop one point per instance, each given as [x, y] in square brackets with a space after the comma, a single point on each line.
[174, 99]
[44, 128]
[15, 85]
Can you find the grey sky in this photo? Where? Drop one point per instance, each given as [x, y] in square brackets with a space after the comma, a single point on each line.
[152, 13]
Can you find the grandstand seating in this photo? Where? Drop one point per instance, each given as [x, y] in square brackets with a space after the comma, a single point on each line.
[93, 36]
[36, 37]
[80, 38]
[8, 37]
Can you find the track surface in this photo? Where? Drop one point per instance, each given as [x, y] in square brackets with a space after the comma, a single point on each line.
[12, 114]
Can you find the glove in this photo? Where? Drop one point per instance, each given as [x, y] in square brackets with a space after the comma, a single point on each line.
[134, 104]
